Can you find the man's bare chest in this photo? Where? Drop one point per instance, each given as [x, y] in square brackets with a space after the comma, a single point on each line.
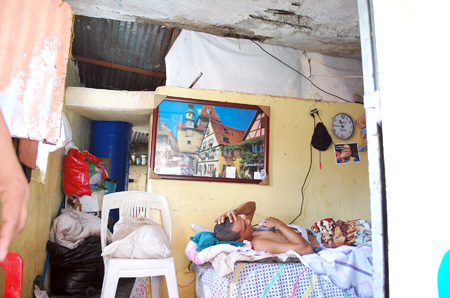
[276, 236]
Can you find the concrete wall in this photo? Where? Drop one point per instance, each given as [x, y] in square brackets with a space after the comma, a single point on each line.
[337, 191]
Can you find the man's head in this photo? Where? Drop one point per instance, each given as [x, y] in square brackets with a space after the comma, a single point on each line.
[239, 230]
[224, 232]
[346, 152]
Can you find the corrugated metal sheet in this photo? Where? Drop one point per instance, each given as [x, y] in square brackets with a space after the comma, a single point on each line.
[121, 55]
[35, 39]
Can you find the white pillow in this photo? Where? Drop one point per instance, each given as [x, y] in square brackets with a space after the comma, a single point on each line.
[200, 228]
[149, 241]
[127, 224]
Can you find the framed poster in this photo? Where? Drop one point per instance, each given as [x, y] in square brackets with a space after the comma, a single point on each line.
[346, 153]
[210, 141]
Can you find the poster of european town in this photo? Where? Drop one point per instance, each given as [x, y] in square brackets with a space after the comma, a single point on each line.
[213, 141]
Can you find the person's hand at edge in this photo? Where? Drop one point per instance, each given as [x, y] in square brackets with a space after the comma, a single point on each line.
[14, 192]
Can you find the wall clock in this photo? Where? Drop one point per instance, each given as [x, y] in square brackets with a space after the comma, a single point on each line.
[343, 126]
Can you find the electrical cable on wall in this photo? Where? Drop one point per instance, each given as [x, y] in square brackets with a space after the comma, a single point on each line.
[307, 174]
[300, 73]
[321, 141]
[332, 67]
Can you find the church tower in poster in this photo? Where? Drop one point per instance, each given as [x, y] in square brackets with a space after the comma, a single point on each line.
[189, 138]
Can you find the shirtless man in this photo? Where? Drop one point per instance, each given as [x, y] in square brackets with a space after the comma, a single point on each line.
[236, 225]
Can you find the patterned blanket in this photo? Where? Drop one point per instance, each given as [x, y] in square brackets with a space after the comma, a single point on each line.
[332, 233]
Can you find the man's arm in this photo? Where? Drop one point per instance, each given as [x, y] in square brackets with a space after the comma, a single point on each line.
[274, 247]
[247, 210]
[14, 191]
[296, 241]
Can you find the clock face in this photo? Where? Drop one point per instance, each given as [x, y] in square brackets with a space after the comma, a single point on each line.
[189, 124]
[343, 126]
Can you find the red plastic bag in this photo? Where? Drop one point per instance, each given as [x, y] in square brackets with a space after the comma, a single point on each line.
[83, 173]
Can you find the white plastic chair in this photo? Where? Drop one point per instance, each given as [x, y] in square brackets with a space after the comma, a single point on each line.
[135, 203]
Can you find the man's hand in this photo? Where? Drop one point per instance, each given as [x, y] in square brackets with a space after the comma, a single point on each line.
[271, 222]
[232, 214]
[247, 210]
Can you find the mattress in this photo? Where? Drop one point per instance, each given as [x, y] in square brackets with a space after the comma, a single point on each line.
[265, 280]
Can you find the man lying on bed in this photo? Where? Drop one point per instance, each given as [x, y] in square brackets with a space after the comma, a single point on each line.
[236, 225]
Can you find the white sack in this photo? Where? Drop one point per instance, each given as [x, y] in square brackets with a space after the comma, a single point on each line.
[138, 238]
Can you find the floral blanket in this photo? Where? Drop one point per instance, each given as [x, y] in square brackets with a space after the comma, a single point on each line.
[332, 233]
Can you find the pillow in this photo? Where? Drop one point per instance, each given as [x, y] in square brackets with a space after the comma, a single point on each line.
[200, 228]
[149, 241]
[127, 224]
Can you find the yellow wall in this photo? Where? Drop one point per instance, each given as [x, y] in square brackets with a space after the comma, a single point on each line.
[337, 191]
[139, 175]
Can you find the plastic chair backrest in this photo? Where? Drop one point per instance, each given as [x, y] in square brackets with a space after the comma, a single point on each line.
[135, 204]
[13, 266]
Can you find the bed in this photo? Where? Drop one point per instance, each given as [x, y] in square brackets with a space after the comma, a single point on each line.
[224, 270]
[264, 280]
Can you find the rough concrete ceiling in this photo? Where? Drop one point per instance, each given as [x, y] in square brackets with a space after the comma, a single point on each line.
[328, 27]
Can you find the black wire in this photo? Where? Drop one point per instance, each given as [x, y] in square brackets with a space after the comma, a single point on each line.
[299, 73]
[307, 174]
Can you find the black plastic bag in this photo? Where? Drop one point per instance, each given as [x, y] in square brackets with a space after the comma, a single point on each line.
[76, 271]
[321, 139]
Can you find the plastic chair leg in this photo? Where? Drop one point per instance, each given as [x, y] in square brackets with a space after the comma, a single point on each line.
[171, 280]
[110, 281]
[156, 286]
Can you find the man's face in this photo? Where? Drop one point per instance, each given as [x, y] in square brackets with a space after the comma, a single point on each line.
[346, 152]
[243, 228]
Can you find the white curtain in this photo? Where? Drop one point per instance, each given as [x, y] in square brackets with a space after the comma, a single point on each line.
[241, 65]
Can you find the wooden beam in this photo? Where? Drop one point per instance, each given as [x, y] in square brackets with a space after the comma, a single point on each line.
[120, 67]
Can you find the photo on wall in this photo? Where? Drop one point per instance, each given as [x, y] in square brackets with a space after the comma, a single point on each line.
[346, 153]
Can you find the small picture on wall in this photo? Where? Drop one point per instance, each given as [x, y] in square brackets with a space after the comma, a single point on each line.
[346, 153]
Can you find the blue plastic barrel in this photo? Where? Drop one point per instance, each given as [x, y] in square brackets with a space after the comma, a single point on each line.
[113, 139]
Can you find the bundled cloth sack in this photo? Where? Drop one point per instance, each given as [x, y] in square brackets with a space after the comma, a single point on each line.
[138, 238]
[71, 228]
